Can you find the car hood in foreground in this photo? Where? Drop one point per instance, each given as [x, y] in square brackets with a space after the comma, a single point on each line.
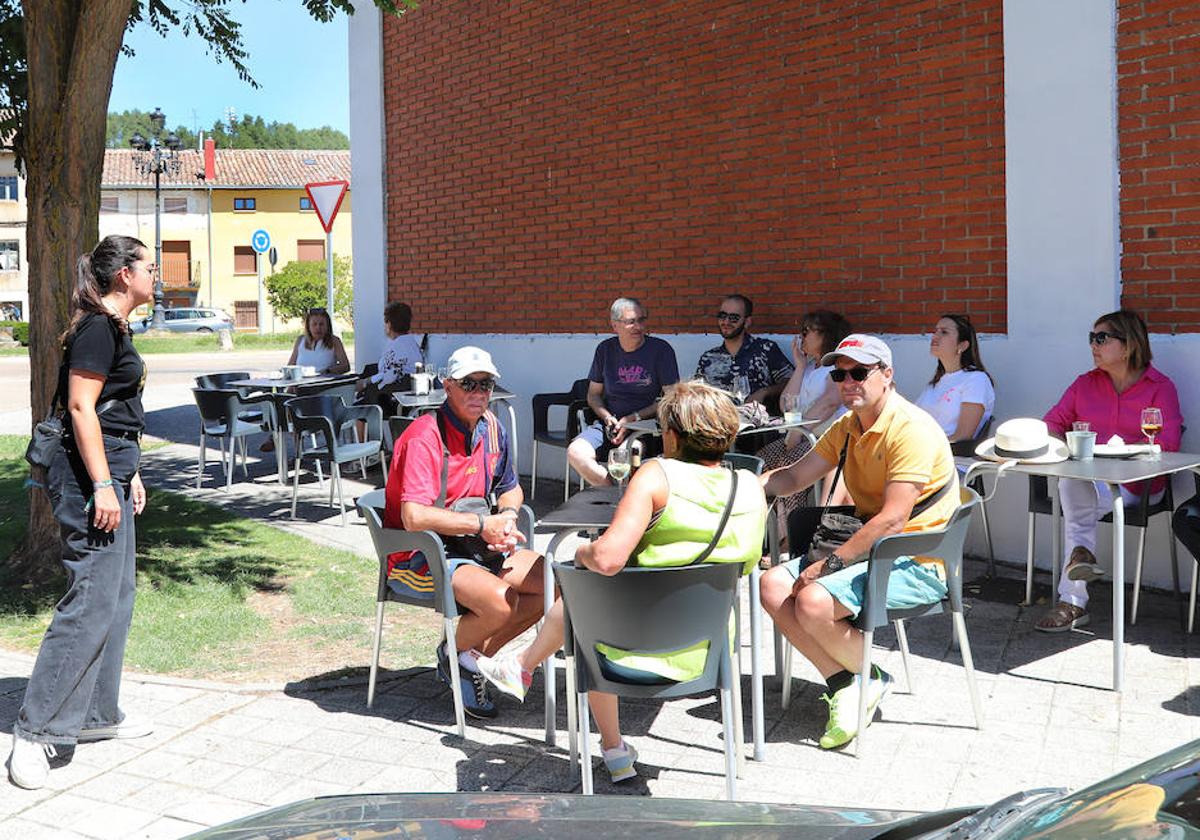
[495, 815]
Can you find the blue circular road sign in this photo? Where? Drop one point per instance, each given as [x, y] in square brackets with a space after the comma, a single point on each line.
[260, 241]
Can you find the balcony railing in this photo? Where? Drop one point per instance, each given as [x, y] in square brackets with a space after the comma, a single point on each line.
[181, 274]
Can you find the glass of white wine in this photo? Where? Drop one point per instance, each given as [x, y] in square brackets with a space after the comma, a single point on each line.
[741, 388]
[1152, 422]
[618, 465]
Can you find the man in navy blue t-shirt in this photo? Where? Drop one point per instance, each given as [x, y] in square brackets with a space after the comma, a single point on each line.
[628, 375]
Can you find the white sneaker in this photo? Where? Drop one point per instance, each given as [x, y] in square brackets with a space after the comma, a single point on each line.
[620, 761]
[504, 672]
[29, 763]
[131, 727]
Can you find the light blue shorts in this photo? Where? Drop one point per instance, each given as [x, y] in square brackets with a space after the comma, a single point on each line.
[909, 585]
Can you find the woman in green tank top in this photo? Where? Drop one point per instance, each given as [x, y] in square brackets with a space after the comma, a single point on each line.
[667, 517]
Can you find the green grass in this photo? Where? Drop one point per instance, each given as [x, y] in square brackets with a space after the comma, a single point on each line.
[224, 597]
[201, 343]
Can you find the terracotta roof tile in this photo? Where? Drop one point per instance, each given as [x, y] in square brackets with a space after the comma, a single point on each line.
[272, 168]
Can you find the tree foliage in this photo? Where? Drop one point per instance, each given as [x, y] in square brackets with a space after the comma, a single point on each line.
[300, 286]
[250, 133]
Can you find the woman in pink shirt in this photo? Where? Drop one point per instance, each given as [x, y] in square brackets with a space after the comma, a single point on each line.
[1110, 397]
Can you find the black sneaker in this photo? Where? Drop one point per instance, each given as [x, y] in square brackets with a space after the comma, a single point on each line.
[477, 699]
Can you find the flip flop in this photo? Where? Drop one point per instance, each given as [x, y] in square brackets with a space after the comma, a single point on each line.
[1063, 617]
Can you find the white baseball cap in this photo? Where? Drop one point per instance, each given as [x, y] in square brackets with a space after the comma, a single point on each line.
[867, 349]
[467, 360]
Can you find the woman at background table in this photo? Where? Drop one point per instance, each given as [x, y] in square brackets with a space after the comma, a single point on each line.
[318, 347]
[95, 490]
[1110, 397]
[820, 332]
[666, 517]
[960, 396]
[398, 359]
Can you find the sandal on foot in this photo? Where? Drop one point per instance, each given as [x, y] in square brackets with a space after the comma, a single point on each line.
[1083, 566]
[1063, 617]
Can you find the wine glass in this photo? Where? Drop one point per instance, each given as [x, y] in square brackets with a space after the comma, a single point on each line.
[1151, 423]
[741, 387]
[618, 465]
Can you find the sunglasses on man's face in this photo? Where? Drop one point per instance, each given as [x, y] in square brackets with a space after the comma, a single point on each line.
[731, 317]
[1100, 337]
[470, 386]
[629, 322]
[858, 374]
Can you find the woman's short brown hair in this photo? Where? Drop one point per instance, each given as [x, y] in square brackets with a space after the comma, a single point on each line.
[1131, 328]
[703, 417]
[832, 327]
[398, 316]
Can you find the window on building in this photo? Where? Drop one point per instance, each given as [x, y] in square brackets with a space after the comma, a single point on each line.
[10, 254]
[8, 188]
[305, 204]
[110, 204]
[245, 205]
[175, 205]
[243, 260]
[310, 250]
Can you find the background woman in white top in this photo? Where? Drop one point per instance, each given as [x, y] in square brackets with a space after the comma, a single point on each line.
[960, 396]
[820, 332]
[398, 359]
[319, 347]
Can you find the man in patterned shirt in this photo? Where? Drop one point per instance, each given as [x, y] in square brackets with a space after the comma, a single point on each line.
[760, 360]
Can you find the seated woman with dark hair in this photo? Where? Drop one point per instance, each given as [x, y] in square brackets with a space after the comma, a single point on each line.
[318, 347]
[960, 396]
[667, 516]
[820, 332]
[1110, 397]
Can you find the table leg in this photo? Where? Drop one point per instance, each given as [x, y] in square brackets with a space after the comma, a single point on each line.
[547, 603]
[756, 674]
[1056, 541]
[1118, 599]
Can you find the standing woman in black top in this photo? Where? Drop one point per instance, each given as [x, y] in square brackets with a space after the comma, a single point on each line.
[95, 490]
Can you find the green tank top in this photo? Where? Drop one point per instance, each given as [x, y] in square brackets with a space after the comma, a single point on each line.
[696, 500]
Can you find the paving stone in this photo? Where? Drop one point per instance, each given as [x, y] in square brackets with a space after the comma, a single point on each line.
[113, 821]
[212, 809]
[166, 828]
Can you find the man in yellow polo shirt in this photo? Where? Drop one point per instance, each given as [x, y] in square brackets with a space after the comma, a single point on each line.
[900, 473]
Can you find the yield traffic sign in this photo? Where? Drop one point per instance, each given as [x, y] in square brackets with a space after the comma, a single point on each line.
[326, 198]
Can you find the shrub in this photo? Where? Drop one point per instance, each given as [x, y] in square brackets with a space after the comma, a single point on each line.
[20, 330]
[299, 286]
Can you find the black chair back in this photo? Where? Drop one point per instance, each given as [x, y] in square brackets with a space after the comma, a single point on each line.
[221, 380]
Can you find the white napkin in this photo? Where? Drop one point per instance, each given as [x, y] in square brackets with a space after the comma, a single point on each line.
[1116, 440]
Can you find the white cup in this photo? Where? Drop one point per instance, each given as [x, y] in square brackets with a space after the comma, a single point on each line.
[1081, 445]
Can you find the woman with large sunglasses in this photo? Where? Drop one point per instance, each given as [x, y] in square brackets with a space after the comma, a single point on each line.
[960, 396]
[1110, 398]
[820, 332]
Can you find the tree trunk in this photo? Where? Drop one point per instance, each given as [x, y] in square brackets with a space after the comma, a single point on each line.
[72, 54]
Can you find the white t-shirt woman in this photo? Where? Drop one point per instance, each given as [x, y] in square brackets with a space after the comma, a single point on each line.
[944, 399]
[398, 358]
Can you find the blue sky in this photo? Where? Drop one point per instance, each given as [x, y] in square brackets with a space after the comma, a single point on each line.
[300, 65]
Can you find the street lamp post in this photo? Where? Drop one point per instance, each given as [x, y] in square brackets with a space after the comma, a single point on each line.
[158, 155]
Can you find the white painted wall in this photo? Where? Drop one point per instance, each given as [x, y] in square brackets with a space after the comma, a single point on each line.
[368, 177]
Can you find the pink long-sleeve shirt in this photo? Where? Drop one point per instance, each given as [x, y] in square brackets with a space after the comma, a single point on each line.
[1093, 398]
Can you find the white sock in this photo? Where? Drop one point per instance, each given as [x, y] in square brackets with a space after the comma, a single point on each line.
[467, 659]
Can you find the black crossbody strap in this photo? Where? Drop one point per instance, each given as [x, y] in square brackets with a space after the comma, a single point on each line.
[733, 482]
[919, 508]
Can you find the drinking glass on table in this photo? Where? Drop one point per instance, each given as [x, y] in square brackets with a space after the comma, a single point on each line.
[741, 387]
[790, 403]
[1151, 424]
[618, 465]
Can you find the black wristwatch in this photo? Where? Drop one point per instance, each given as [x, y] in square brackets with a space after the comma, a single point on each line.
[833, 563]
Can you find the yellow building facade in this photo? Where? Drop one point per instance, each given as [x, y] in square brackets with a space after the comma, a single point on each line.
[207, 223]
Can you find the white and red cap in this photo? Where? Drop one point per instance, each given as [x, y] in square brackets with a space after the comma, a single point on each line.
[867, 349]
[467, 360]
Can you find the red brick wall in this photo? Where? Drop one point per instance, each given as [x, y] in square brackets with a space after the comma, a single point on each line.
[1158, 118]
[545, 158]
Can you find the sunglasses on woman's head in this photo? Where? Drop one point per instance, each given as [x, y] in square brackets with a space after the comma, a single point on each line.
[470, 386]
[1100, 337]
[858, 374]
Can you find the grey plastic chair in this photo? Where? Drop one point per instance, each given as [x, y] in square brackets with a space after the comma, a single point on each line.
[388, 541]
[222, 413]
[650, 610]
[327, 419]
[945, 544]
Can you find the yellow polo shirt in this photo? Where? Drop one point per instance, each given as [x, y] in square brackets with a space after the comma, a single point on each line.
[904, 444]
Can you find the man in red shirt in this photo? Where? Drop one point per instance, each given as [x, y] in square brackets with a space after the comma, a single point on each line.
[498, 584]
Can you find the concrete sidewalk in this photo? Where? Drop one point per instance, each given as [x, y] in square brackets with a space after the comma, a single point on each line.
[222, 751]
